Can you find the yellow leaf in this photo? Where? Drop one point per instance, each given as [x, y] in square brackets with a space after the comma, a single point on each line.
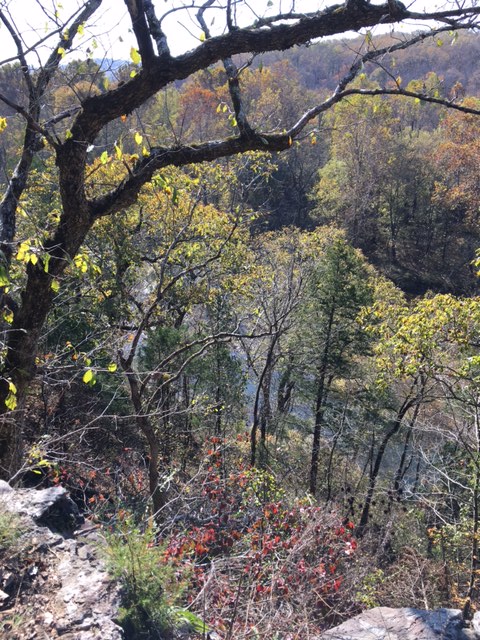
[55, 286]
[202, 36]
[88, 376]
[112, 367]
[22, 251]
[138, 138]
[68, 134]
[118, 152]
[11, 401]
[3, 124]
[135, 56]
[61, 52]
[145, 152]
[104, 157]
[80, 30]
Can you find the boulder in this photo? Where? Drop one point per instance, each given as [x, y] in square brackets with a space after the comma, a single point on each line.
[384, 623]
[56, 584]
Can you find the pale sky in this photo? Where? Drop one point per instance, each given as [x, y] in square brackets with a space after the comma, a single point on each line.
[109, 35]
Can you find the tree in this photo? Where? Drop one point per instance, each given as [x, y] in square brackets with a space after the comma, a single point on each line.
[275, 290]
[70, 136]
[340, 285]
[388, 183]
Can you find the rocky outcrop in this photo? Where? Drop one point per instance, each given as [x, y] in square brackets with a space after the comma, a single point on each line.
[63, 590]
[383, 623]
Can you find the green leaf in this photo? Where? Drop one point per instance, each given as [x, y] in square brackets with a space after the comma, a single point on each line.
[68, 134]
[81, 29]
[196, 623]
[105, 83]
[135, 56]
[55, 286]
[104, 157]
[4, 281]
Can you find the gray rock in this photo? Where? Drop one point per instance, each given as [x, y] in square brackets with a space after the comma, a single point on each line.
[5, 487]
[30, 502]
[77, 600]
[476, 623]
[383, 623]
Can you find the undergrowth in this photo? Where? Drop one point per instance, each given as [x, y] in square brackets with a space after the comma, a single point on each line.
[152, 585]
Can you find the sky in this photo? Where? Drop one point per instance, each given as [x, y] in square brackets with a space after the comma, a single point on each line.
[109, 35]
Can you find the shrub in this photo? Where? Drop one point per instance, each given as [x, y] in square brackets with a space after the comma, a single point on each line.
[152, 586]
[261, 560]
[10, 532]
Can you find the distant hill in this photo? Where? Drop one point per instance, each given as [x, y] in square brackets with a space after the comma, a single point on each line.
[321, 65]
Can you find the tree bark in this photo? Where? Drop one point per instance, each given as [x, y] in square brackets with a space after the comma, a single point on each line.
[319, 405]
[394, 428]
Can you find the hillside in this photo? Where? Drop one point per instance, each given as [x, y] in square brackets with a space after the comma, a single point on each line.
[454, 58]
[239, 320]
